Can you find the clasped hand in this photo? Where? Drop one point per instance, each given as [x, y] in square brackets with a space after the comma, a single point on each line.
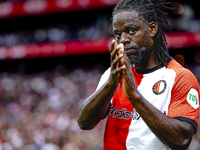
[122, 69]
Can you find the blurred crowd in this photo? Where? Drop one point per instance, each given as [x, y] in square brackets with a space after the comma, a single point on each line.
[38, 111]
[12, 0]
[98, 26]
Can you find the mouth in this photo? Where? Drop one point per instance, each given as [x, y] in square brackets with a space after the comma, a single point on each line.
[131, 51]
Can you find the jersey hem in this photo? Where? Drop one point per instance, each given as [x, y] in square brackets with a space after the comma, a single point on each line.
[189, 121]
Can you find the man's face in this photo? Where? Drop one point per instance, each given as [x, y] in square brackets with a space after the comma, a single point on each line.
[134, 32]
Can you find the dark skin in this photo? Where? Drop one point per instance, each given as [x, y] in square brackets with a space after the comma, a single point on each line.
[132, 31]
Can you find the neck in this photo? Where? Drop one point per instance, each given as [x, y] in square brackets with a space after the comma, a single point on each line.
[147, 63]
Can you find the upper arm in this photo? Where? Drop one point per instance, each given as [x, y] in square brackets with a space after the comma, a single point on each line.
[184, 104]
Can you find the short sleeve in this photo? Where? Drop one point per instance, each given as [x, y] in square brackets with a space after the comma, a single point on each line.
[103, 78]
[184, 103]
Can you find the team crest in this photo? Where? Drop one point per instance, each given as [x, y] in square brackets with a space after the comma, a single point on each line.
[159, 87]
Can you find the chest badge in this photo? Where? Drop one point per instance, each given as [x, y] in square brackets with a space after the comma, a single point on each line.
[159, 87]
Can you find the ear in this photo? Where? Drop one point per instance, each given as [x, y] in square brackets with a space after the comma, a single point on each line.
[153, 28]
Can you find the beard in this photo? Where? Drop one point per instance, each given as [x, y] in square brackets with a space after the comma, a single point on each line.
[140, 58]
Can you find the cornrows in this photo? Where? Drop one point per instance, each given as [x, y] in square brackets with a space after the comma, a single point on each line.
[150, 10]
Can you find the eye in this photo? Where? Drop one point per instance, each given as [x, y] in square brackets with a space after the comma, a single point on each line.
[132, 31]
[117, 34]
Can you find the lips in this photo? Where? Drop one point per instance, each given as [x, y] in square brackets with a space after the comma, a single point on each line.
[128, 51]
[131, 51]
[134, 51]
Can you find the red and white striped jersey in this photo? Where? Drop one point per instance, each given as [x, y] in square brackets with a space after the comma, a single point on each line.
[172, 89]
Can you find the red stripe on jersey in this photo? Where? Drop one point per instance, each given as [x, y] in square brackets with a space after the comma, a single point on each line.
[119, 118]
[137, 77]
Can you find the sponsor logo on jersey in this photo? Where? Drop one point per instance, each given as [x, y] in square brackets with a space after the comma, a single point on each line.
[123, 113]
[193, 98]
[159, 87]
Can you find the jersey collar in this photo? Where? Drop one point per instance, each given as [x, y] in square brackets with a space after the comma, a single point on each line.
[145, 71]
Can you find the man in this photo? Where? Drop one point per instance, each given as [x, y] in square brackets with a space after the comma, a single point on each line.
[151, 101]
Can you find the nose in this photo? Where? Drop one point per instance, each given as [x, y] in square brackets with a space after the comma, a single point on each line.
[124, 38]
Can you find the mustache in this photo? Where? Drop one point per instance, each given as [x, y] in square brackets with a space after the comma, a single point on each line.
[136, 52]
[135, 48]
[128, 48]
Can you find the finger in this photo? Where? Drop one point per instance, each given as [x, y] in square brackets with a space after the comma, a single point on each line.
[121, 52]
[115, 52]
[119, 70]
[117, 56]
[126, 60]
[121, 49]
[116, 61]
[112, 46]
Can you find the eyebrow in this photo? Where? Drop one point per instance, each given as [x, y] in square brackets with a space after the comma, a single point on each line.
[128, 25]
[115, 30]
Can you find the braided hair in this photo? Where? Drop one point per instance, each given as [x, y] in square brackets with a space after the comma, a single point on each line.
[150, 10]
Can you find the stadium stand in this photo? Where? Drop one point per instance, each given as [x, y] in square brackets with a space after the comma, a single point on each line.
[52, 54]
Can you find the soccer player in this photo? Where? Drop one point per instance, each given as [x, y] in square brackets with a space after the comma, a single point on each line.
[151, 101]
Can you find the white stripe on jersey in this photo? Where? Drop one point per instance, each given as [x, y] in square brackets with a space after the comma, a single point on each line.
[140, 136]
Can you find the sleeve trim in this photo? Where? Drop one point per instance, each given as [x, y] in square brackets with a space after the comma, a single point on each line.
[189, 121]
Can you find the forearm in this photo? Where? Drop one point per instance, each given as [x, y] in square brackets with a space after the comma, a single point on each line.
[174, 133]
[94, 107]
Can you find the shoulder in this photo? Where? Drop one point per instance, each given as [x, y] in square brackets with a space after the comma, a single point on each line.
[184, 79]
[183, 74]
[184, 103]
